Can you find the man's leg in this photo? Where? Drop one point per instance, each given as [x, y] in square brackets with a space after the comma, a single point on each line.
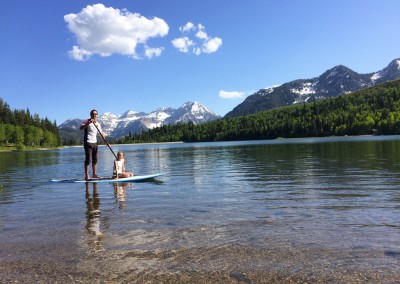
[94, 167]
[94, 160]
[87, 172]
[88, 153]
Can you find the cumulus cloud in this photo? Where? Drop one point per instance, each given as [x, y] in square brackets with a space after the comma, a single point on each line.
[153, 52]
[79, 54]
[105, 31]
[231, 95]
[201, 33]
[201, 43]
[182, 44]
[212, 45]
[189, 26]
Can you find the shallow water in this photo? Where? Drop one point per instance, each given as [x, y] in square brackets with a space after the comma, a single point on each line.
[297, 210]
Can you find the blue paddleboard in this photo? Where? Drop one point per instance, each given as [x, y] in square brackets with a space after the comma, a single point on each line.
[106, 179]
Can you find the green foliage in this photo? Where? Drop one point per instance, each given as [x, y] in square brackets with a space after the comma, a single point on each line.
[374, 110]
[71, 136]
[19, 127]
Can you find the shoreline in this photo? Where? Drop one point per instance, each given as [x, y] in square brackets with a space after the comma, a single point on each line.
[26, 149]
[264, 261]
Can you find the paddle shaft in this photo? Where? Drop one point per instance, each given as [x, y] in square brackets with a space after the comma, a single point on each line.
[104, 139]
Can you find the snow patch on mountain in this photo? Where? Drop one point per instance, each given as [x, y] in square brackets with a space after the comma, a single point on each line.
[269, 90]
[305, 89]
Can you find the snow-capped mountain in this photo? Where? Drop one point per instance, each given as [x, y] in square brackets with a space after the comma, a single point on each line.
[131, 122]
[334, 82]
[191, 112]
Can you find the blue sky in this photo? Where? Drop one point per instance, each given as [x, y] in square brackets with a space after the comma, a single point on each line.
[63, 58]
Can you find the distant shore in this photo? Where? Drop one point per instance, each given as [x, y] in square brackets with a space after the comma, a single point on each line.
[153, 143]
[15, 148]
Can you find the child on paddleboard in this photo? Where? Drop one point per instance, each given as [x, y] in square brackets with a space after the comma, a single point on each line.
[119, 167]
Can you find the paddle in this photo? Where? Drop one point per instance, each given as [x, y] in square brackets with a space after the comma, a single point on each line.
[104, 139]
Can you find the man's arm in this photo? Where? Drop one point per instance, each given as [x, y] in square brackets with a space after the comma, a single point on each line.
[85, 123]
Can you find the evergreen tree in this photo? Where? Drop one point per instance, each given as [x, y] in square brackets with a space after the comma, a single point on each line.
[19, 127]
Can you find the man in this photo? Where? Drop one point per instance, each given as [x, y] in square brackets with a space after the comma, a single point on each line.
[91, 127]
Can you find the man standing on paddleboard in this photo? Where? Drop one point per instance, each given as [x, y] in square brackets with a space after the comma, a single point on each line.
[91, 127]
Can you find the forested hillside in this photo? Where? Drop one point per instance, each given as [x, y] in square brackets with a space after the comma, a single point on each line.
[20, 128]
[374, 110]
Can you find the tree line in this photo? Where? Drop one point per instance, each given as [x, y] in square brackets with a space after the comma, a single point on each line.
[20, 128]
[375, 110]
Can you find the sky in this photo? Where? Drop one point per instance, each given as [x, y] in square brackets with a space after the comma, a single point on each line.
[61, 59]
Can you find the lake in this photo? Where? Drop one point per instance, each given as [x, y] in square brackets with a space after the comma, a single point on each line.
[315, 210]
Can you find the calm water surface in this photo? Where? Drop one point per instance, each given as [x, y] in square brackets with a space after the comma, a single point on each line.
[298, 210]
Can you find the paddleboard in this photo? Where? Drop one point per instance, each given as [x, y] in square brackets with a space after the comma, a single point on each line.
[107, 179]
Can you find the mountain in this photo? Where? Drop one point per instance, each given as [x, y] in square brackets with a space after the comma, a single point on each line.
[191, 112]
[130, 122]
[334, 82]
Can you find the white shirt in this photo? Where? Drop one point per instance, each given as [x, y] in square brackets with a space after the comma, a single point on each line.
[92, 132]
[119, 165]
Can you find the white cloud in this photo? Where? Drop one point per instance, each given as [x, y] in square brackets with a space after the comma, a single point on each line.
[152, 52]
[231, 95]
[189, 26]
[212, 45]
[79, 54]
[197, 50]
[182, 44]
[105, 31]
[201, 34]
[202, 42]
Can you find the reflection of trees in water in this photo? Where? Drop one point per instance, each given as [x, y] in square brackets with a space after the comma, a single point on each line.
[308, 158]
[35, 166]
[17, 160]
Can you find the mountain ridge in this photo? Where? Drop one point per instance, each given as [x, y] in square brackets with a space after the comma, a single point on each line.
[130, 122]
[331, 83]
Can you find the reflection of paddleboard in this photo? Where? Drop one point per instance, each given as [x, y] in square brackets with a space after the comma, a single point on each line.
[106, 179]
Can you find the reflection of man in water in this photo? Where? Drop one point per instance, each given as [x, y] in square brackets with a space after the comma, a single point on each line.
[93, 215]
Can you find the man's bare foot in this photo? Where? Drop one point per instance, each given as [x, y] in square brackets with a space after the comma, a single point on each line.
[87, 178]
